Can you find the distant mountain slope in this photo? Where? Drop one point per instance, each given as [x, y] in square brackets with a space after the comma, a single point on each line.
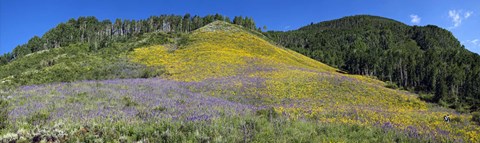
[358, 22]
[426, 59]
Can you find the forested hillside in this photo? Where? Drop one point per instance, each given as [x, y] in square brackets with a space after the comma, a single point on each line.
[99, 34]
[425, 59]
[89, 49]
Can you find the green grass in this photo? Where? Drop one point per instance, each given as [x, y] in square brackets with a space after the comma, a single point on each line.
[230, 129]
[3, 112]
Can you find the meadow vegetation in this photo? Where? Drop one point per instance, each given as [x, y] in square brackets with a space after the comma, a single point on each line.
[222, 83]
[78, 62]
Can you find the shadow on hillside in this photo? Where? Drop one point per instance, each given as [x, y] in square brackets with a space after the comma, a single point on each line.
[342, 72]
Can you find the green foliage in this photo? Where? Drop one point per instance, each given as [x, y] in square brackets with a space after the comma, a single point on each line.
[160, 108]
[426, 97]
[155, 38]
[391, 85]
[128, 102]
[230, 129]
[425, 59]
[39, 118]
[183, 41]
[268, 113]
[3, 112]
[78, 98]
[155, 71]
[456, 119]
[476, 117]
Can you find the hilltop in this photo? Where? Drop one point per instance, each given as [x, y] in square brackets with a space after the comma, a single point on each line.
[218, 83]
[220, 50]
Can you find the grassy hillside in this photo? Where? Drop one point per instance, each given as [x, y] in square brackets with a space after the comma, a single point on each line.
[423, 59]
[79, 62]
[293, 84]
[221, 50]
[223, 83]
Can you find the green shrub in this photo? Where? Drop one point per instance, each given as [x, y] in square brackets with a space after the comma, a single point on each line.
[476, 117]
[143, 114]
[128, 101]
[160, 108]
[426, 97]
[183, 41]
[456, 119]
[3, 113]
[391, 85]
[39, 118]
[269, 113]
[149, 72]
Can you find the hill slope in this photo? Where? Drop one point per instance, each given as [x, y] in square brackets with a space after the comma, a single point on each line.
[292, 83]
[223, 83]
[78, 62]
[221, 50]
[425, 59]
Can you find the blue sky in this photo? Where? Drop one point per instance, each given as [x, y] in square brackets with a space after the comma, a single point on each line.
[22, 19]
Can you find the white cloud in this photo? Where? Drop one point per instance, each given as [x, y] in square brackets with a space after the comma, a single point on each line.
[415, 19]
[456, 16]
[468, 14]
[286, 27]
[475, 42]
[472, 45]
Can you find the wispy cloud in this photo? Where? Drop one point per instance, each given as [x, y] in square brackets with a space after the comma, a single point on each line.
[415, 19]
[457, 16]
[468, 14]
[473, 43]
[286, 27]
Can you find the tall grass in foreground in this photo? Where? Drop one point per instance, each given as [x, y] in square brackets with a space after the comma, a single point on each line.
[252, 128]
